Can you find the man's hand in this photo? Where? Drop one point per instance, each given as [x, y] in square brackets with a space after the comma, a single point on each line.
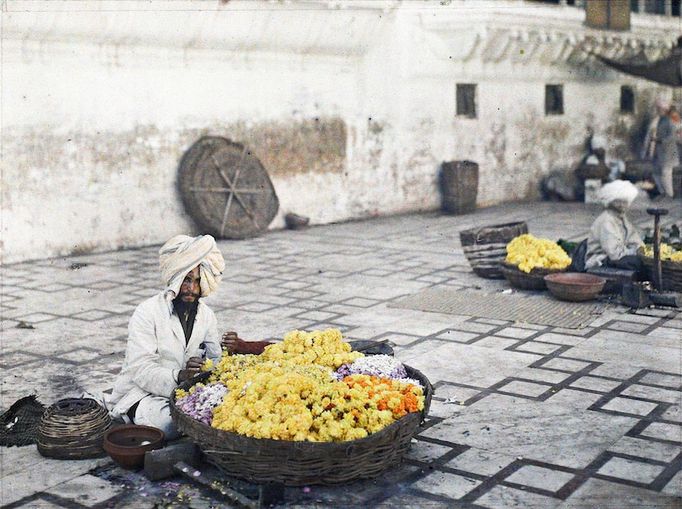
[231, 342]
[192, 368]
[234, 344]
[194, 363]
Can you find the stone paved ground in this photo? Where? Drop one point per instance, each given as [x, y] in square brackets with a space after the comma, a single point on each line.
[524, 415]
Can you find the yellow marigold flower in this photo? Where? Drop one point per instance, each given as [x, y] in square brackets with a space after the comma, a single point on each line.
[288, 392]
[528, 252]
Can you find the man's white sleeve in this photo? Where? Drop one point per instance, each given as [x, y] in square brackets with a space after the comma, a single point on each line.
[612, 241]
[212, 340]
[143, 358]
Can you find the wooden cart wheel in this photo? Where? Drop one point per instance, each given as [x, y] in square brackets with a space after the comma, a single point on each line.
[225, 189]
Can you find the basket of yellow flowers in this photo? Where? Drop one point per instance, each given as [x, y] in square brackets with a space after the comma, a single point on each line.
[308, 410]
[529, 259]
[671, 264]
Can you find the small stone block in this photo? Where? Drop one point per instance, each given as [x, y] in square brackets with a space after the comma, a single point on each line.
[159, 464]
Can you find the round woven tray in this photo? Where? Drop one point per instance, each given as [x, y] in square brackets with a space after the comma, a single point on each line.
[304, 463]
[533, 280]
[226, 189]
[671, 272]
[73, 429]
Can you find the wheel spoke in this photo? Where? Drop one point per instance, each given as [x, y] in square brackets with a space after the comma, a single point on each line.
[234, 192]
[225, 214]
[246, 190]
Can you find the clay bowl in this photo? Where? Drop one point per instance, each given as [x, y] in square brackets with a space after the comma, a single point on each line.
[574, 286]
[127, 444]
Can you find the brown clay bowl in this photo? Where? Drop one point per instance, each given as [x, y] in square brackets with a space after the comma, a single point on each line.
[574, 286]
[127, 444]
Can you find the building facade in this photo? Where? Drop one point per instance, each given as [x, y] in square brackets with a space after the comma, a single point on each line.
[350, 105]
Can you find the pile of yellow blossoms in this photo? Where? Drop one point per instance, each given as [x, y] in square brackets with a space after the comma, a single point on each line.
[528, 252]
[667, 252]
[289, 392]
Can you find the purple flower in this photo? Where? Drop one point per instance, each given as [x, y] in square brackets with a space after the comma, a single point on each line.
[383, 366]
[200, 404]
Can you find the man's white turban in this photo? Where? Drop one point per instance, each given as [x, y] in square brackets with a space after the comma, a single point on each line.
[182, 253]
[598, 142]
[663, 102]
[618, 190]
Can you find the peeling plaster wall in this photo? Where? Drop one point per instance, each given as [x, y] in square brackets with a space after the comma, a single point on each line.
[352, 114]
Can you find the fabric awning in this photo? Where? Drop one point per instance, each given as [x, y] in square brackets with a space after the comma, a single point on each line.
[667, 71]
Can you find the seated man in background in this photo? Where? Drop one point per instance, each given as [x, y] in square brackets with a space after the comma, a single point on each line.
[170, 334]
[614, 240]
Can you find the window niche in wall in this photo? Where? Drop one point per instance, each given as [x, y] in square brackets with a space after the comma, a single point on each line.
[554, 99]
[466, 100]
[627, 99]
[608, 14]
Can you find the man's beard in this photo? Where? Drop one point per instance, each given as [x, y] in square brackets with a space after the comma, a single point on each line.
[182, 304]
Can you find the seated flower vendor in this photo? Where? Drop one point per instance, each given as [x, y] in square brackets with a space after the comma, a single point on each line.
[614, 240]
[170, 333]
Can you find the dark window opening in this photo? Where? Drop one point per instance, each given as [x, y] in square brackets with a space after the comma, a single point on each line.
[654, 6]
[554, 99]
[634, 5]
[608, 14]
[627, 99]
[676, 7]
[466, 100]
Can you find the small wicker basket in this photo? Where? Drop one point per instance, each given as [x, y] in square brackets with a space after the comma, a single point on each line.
[485, 247]
[73, 429]
[304, 463]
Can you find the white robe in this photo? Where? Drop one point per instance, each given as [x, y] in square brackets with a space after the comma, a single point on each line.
[612, 236]
[156, 351]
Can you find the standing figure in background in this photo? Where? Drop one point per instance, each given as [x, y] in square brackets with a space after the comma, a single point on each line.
[677, 131]
[661, 148]
[614, 240]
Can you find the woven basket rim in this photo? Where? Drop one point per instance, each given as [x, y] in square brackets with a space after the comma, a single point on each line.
[535, 271]
[510, 224]
[673, 265]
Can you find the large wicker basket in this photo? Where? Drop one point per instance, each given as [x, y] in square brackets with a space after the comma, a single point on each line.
[486, 247]
[671, 272]
[305, 463]
[533, 280]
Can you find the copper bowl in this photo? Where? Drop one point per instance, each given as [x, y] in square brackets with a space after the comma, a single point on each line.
[127, 444]
[574, 286]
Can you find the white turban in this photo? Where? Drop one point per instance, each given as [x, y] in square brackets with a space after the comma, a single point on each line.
[663, 103]
[618, 190]
[182, 253]
[598, 142]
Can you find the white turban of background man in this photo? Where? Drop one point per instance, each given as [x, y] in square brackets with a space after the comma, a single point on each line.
[182, 253]
[597, 142]
[663, 102]
[618, 190]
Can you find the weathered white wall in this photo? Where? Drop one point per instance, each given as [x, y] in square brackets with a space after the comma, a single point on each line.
[99, 106]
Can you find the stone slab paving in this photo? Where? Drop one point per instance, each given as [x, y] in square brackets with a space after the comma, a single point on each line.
[524, 415]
